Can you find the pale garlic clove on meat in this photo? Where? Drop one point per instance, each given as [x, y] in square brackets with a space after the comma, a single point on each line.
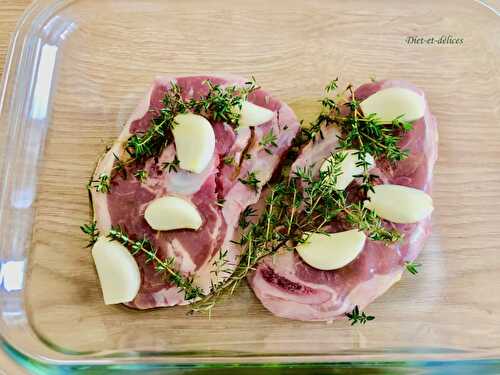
[399, 204]
[254, 115]
[332, 251]
[117, 270]
[393, 102]
[194, 141]
[169, 213]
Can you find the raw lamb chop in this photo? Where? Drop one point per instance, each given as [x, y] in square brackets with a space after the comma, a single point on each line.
[290, 288]
[218, 192]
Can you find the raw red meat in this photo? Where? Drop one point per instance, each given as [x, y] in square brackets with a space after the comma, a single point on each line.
[195, 251]
[290, 288]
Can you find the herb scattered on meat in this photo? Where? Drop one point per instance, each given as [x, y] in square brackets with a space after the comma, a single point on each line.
[295, 208]
[269, 140]
[251, 181]
[171, 166]
[101, 185]
[120, 166]
[296, 205]
[247, 213]
[300, 203]
[229, 160]
[367, 134]
[142, 175]
[220, 104]
[167, 266]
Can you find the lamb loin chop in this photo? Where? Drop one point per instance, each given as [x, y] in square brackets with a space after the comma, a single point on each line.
[243, 161]
[290, 288]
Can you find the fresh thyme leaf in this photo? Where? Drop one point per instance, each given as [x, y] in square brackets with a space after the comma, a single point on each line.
[412, 267]
[171, 166]
[332, 85]
[247, 212]
[229, 160]
[92, 231]
[368, 221]
[142, 175]
[251, 181]
[224, 104]
[185, 284]
[356, 316]
[221, 268]
[102, 184]
[120, 166]
[405, 126]
[268, 141]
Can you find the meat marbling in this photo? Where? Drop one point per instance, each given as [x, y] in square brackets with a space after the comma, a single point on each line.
[195, 251]
[290, 288]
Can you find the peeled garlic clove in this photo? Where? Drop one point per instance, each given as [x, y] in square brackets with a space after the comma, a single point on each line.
[194, 141]
[348, 168]
[390, 103]
[399, 204]
[253, 115]
[117, 270]
[330, 252]
[169, 213]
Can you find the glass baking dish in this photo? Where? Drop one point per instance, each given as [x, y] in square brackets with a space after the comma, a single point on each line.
[76, 70]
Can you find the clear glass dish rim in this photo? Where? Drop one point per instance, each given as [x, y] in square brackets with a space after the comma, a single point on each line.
[134, 361]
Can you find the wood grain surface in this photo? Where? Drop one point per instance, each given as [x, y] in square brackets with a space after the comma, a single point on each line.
[293, 48]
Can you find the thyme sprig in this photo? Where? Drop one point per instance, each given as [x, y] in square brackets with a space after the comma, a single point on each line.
[369, 135]
[294, 209]
[223, 103]
[412, 267]
[269, 140]
[229, 160]
[91, 231]
[366, 134]
[356, 316]
[101, 185]
[251, 181]
[247, 213]
[301, 203]
[221, 267]
[120, 166]
[171, 166]
[219, 104]
[158, 135]
[167, 266]
[142, 175]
